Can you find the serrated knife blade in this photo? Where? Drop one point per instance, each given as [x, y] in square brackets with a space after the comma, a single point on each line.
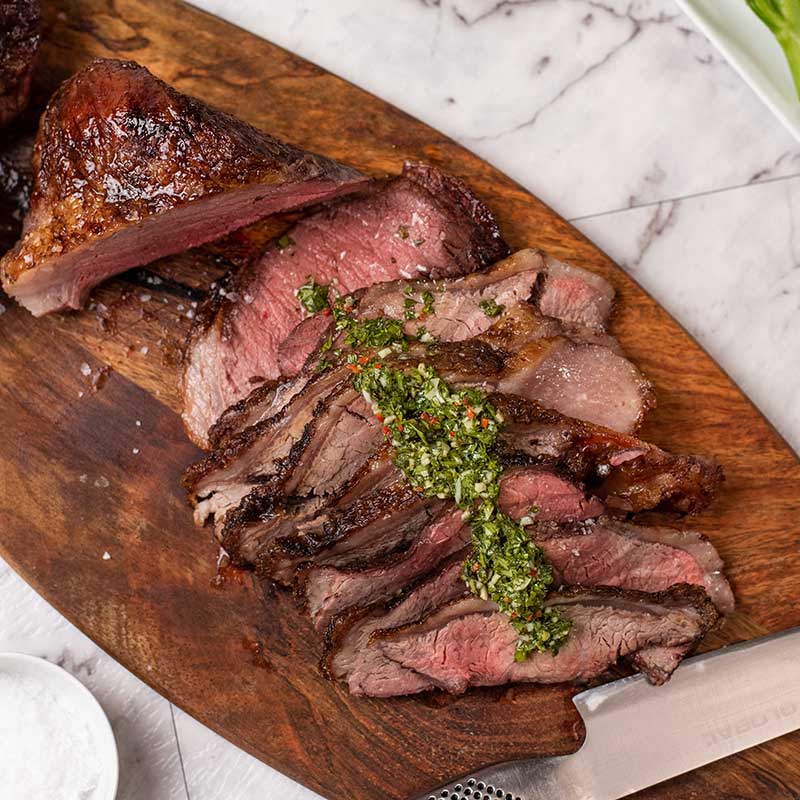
[638, 735]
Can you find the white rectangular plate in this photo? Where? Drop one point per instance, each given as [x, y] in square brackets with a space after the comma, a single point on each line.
[749, 46]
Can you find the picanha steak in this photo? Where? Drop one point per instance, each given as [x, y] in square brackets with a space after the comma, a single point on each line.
[128, 170]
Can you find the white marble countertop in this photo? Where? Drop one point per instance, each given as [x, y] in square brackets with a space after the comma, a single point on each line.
[620, 116]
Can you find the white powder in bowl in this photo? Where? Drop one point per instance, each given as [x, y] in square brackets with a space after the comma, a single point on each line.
[47, 747]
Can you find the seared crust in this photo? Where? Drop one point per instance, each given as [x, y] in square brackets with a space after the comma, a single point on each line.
[486, 242]
[622, 470]
[116, 146]
[234, 447]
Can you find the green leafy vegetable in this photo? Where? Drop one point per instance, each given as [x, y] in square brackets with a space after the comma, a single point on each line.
[285, 241]
[782, 17]
[313, 296]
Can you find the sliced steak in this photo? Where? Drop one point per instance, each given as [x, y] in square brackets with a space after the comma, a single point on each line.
[517, 284]
[262, 517]
[348, 656]
[623, 471]
[620, 470]
[19, 47]
[330, 589]
[575, 294]
[377, 525]
[129, 170]
[423, 222]
[610, 552]
[469, 642]
[556, 368]
[223, 478]
[582, 551]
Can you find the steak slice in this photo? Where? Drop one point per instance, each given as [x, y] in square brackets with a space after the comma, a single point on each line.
[611, 552]
[623, 471]
[521, 284]
[129, 170]
[224, 477]
[376, 525]
[19, 47]
[423, 222]
[329, 589]
[348, 656]
[262, 517]
[469, 642]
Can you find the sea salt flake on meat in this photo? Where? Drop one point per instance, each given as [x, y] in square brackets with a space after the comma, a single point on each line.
[102, 482]
[86, 370]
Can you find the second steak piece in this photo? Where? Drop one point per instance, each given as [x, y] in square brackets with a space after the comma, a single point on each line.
[422, 223]
[129, 170]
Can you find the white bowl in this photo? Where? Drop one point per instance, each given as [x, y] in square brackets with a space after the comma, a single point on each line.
[751, 49]
[85, 717]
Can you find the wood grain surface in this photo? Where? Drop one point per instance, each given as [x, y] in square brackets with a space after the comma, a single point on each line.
[81, 477]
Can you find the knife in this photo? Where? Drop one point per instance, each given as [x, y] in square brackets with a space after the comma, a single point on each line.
[638, 735]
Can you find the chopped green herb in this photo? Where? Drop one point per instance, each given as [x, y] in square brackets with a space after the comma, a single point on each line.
[285, 241]
[491, 308]
[402, 232]
[376, 332]
[313, 296]
[443, 440]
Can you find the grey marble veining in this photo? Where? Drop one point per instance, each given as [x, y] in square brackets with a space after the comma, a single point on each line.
[591, 105]
[619, 115]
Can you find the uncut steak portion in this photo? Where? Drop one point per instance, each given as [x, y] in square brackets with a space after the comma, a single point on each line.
[128, 170]
[423, 222]
[540, 298]
[19, 47]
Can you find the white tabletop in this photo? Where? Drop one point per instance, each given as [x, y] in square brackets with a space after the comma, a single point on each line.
[622, 118]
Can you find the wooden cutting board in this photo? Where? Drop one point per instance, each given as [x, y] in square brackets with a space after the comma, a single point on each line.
[88, 470]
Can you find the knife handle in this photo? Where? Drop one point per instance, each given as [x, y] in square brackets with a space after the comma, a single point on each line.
[534, 779]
